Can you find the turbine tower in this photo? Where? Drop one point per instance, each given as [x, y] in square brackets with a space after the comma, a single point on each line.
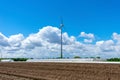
[1, 54]
[61, 26]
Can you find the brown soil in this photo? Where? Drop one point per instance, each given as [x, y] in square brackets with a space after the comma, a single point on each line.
[59, 71]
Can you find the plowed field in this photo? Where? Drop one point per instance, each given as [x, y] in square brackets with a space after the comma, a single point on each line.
[59, 71]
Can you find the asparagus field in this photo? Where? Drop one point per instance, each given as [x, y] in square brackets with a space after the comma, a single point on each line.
[58, 71]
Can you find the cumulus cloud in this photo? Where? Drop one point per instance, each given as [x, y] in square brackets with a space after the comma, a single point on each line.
[106, 46]
[85, 35]
[116, 37]
[46, 43]
[3, 40]
[50, 34]
[32, 41]
[99, 43]
[88, 40]
[15, 40]
[88, 37]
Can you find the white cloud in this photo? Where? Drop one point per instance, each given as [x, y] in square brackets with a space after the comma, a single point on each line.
[85, 35]
[107, 46]
[116, 37]
[15, 40]
[88, 37]
[46, 43]
[32, 41]
[3, 40]
[88, 40]
[99, 43]
[50, 34]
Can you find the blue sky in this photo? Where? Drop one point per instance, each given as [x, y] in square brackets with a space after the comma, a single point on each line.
[101, 17]
[29, 26]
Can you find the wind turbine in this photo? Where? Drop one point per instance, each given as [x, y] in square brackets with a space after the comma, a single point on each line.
[61, 26]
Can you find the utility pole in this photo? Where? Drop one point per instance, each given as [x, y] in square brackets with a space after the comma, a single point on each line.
[61, 26]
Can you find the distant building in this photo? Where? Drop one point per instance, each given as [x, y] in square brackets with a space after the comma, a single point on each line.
[7, 60]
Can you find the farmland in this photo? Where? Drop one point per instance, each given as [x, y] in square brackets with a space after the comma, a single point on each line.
[58, 71]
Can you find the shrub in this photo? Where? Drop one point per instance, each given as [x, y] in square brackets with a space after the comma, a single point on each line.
[19, 59]
[77, 57]
[113, 59]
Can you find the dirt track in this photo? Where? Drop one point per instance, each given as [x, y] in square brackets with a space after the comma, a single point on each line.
[59, 71]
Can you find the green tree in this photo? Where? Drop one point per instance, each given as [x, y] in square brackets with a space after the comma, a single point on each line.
[98, 57]
[92, 57]
[113, 59]
[77, 57]
[19, 59]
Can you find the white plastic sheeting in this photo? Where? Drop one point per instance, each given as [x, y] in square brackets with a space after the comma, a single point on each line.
[71, 61]
[58, 60]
